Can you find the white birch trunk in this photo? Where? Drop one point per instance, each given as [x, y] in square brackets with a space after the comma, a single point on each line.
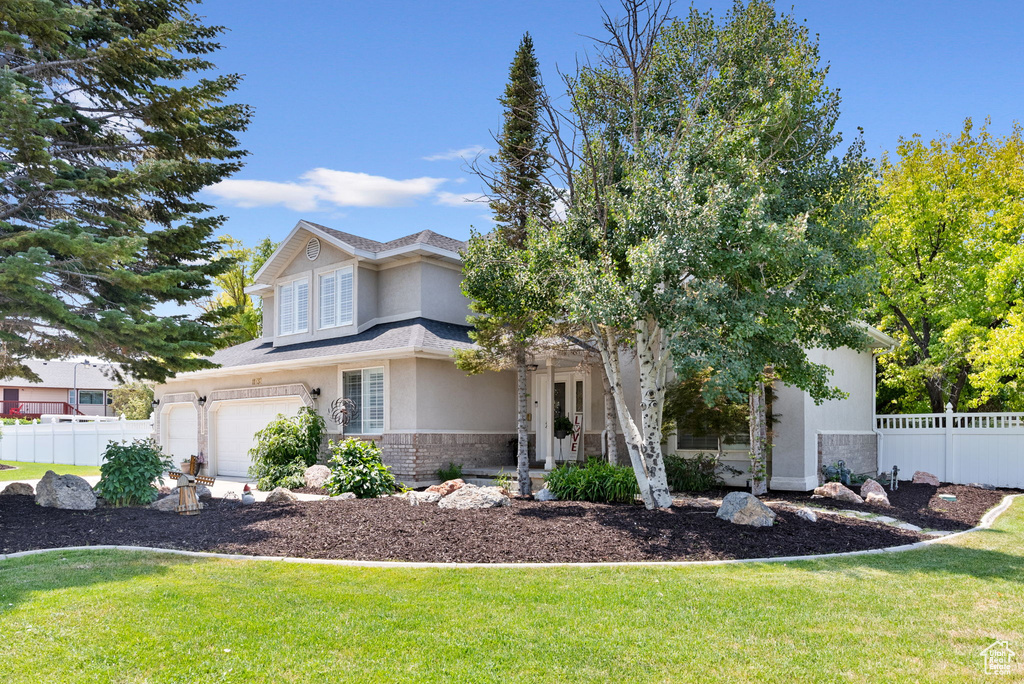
[611, 427]
[523, 444]
[758, 442]
[643, 442]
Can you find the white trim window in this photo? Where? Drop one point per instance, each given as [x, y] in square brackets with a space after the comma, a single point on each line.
[365, 387]
[293, 307]
[336, 298]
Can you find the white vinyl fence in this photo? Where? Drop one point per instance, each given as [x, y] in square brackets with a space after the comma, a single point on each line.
[72, 443]
[962, 448]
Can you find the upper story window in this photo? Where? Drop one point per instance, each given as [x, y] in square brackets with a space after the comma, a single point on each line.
[293, 307]
[336, 306]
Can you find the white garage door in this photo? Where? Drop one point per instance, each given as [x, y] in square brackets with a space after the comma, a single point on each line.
[181, 434]
[235, 423]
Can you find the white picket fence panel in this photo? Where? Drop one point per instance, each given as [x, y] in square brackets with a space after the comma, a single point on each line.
[71, 443]
[955, 447]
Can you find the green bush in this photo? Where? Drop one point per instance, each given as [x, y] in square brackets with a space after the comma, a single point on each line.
[700, 473]
[453, 471]
[285, 448]
[356, 467]
[596, 480]
[128, 472]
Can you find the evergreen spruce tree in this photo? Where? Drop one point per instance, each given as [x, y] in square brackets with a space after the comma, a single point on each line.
[499, 268]
[109, 126]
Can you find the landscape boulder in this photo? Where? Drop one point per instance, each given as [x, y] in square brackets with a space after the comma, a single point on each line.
[807, 514]
[344, 496]
[872, 492]
[922, 477]
[203, 493]
[839, 492]
[316, 475]
[545, 495]
[18, 489]
[743, 508]
[69, 492]
[280, 494]
[447, 487]
[168, 504]
[471, 496]
[416, 498]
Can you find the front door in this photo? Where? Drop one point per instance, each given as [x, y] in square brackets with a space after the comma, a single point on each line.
[567, 399]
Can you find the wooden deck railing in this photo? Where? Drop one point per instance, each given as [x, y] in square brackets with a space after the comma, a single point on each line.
[34, 409]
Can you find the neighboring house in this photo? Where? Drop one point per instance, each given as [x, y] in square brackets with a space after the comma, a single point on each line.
[65, 388]
[345, 317]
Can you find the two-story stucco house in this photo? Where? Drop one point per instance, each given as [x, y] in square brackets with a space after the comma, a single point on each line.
[377, 323]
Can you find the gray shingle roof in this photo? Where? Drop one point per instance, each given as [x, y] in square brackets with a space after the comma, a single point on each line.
[61, 374]
[417, 332]
[424, 237]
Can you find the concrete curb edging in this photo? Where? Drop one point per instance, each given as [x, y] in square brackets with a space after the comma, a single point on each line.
[985, 523]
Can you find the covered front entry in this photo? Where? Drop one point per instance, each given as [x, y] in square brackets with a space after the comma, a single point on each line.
[233, 426]
[559, 392]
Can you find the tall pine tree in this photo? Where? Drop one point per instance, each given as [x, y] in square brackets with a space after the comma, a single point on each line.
[499, 268]
[109, 126]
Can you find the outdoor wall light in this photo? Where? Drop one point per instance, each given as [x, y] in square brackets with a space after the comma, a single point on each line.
[314, 392]
[155, 402]
[532, 367]
[202, 400]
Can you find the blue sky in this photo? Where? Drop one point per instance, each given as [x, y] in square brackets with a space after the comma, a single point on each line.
[359, 106]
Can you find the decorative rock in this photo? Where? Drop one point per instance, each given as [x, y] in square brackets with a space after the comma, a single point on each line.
[921, 477]
[743, 508]
[807, 514]
[163, 491]
[203, 493]
[65, 491]
[908, 527]
[280, 494]
[470, 496]
[835, 490]
[447, 487]
[316, 475]
[344, 496]
[545, 495]
[18, 489]
[979, 485]
[873, 493]
[168, 504]
[416, 498]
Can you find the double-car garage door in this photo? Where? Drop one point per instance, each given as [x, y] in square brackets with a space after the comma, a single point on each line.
[234, 425]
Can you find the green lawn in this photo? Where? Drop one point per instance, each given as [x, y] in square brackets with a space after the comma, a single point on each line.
[922, 616]
[34, 471]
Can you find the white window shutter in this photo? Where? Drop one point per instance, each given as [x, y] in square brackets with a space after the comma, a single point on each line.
[286, 310]
[301, 306]
[328, 301]
[345, 306]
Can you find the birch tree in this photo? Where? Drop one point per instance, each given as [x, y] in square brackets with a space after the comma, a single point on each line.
[709, 228]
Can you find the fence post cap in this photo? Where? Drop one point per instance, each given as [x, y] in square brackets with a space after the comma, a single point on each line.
[949, 407]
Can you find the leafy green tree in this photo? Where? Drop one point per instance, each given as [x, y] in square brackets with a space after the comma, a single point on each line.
[709, 228]
[133, 400]
[109, 126]
[239, 314]
[949, 243]
[499, 269]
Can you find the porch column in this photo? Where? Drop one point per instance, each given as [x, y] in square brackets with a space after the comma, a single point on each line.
[549, 434]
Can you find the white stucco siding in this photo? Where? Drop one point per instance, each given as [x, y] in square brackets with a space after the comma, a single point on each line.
[402, 400]
[366, 296]
[268, 316]
[441, 291]
[787, 466]
[398, 291]
[450, 400]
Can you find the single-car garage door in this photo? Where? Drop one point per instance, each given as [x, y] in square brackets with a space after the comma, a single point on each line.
[235, 423]
[181, 432]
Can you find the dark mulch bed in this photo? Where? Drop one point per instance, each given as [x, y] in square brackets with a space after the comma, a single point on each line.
[6, 467]
[390, 529]
[918, 504]
[311, 490]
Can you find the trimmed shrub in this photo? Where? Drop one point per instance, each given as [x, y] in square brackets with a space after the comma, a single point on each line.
[453, 471]
[700, 473]
[596, 480]
[128, 472]
[356, 467]
[285, 448]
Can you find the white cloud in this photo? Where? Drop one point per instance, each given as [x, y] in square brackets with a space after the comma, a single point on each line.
[466, 153]
[459, 199]
[321, 189]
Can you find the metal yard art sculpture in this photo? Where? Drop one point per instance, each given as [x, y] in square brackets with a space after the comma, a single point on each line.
[342, 411]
